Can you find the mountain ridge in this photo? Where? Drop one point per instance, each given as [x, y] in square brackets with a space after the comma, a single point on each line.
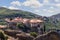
[8, 13]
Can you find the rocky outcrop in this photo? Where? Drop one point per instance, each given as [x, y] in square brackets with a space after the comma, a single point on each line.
[24, 37]
[2, 35]
[12, 32]
[48, 36]
[18, 35]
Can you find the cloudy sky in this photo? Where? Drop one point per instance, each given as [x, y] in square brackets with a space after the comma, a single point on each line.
[40, 7]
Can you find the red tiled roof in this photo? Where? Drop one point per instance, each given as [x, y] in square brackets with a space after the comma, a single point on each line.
[24, 20]
[3, 26]
[35, 20]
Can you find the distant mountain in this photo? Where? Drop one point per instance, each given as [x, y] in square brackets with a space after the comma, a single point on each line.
[53, 22]
[56, 17]
[7, 13]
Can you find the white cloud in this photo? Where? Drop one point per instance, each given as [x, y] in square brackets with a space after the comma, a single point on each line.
[44, 9]
[58, 5]
[57, 0]
[12, 7]
[51, 11]
[4, 6]
[32, 3]
[51, 7]
[46, 1]
[36, 11]
[15, 3]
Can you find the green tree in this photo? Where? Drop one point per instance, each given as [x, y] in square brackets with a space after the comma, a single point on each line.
[20, 25]
[23, 27]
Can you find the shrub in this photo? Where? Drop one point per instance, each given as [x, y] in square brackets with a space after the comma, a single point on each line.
[3, 23]
[20, 25]
[34, 34]
[2, 36]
